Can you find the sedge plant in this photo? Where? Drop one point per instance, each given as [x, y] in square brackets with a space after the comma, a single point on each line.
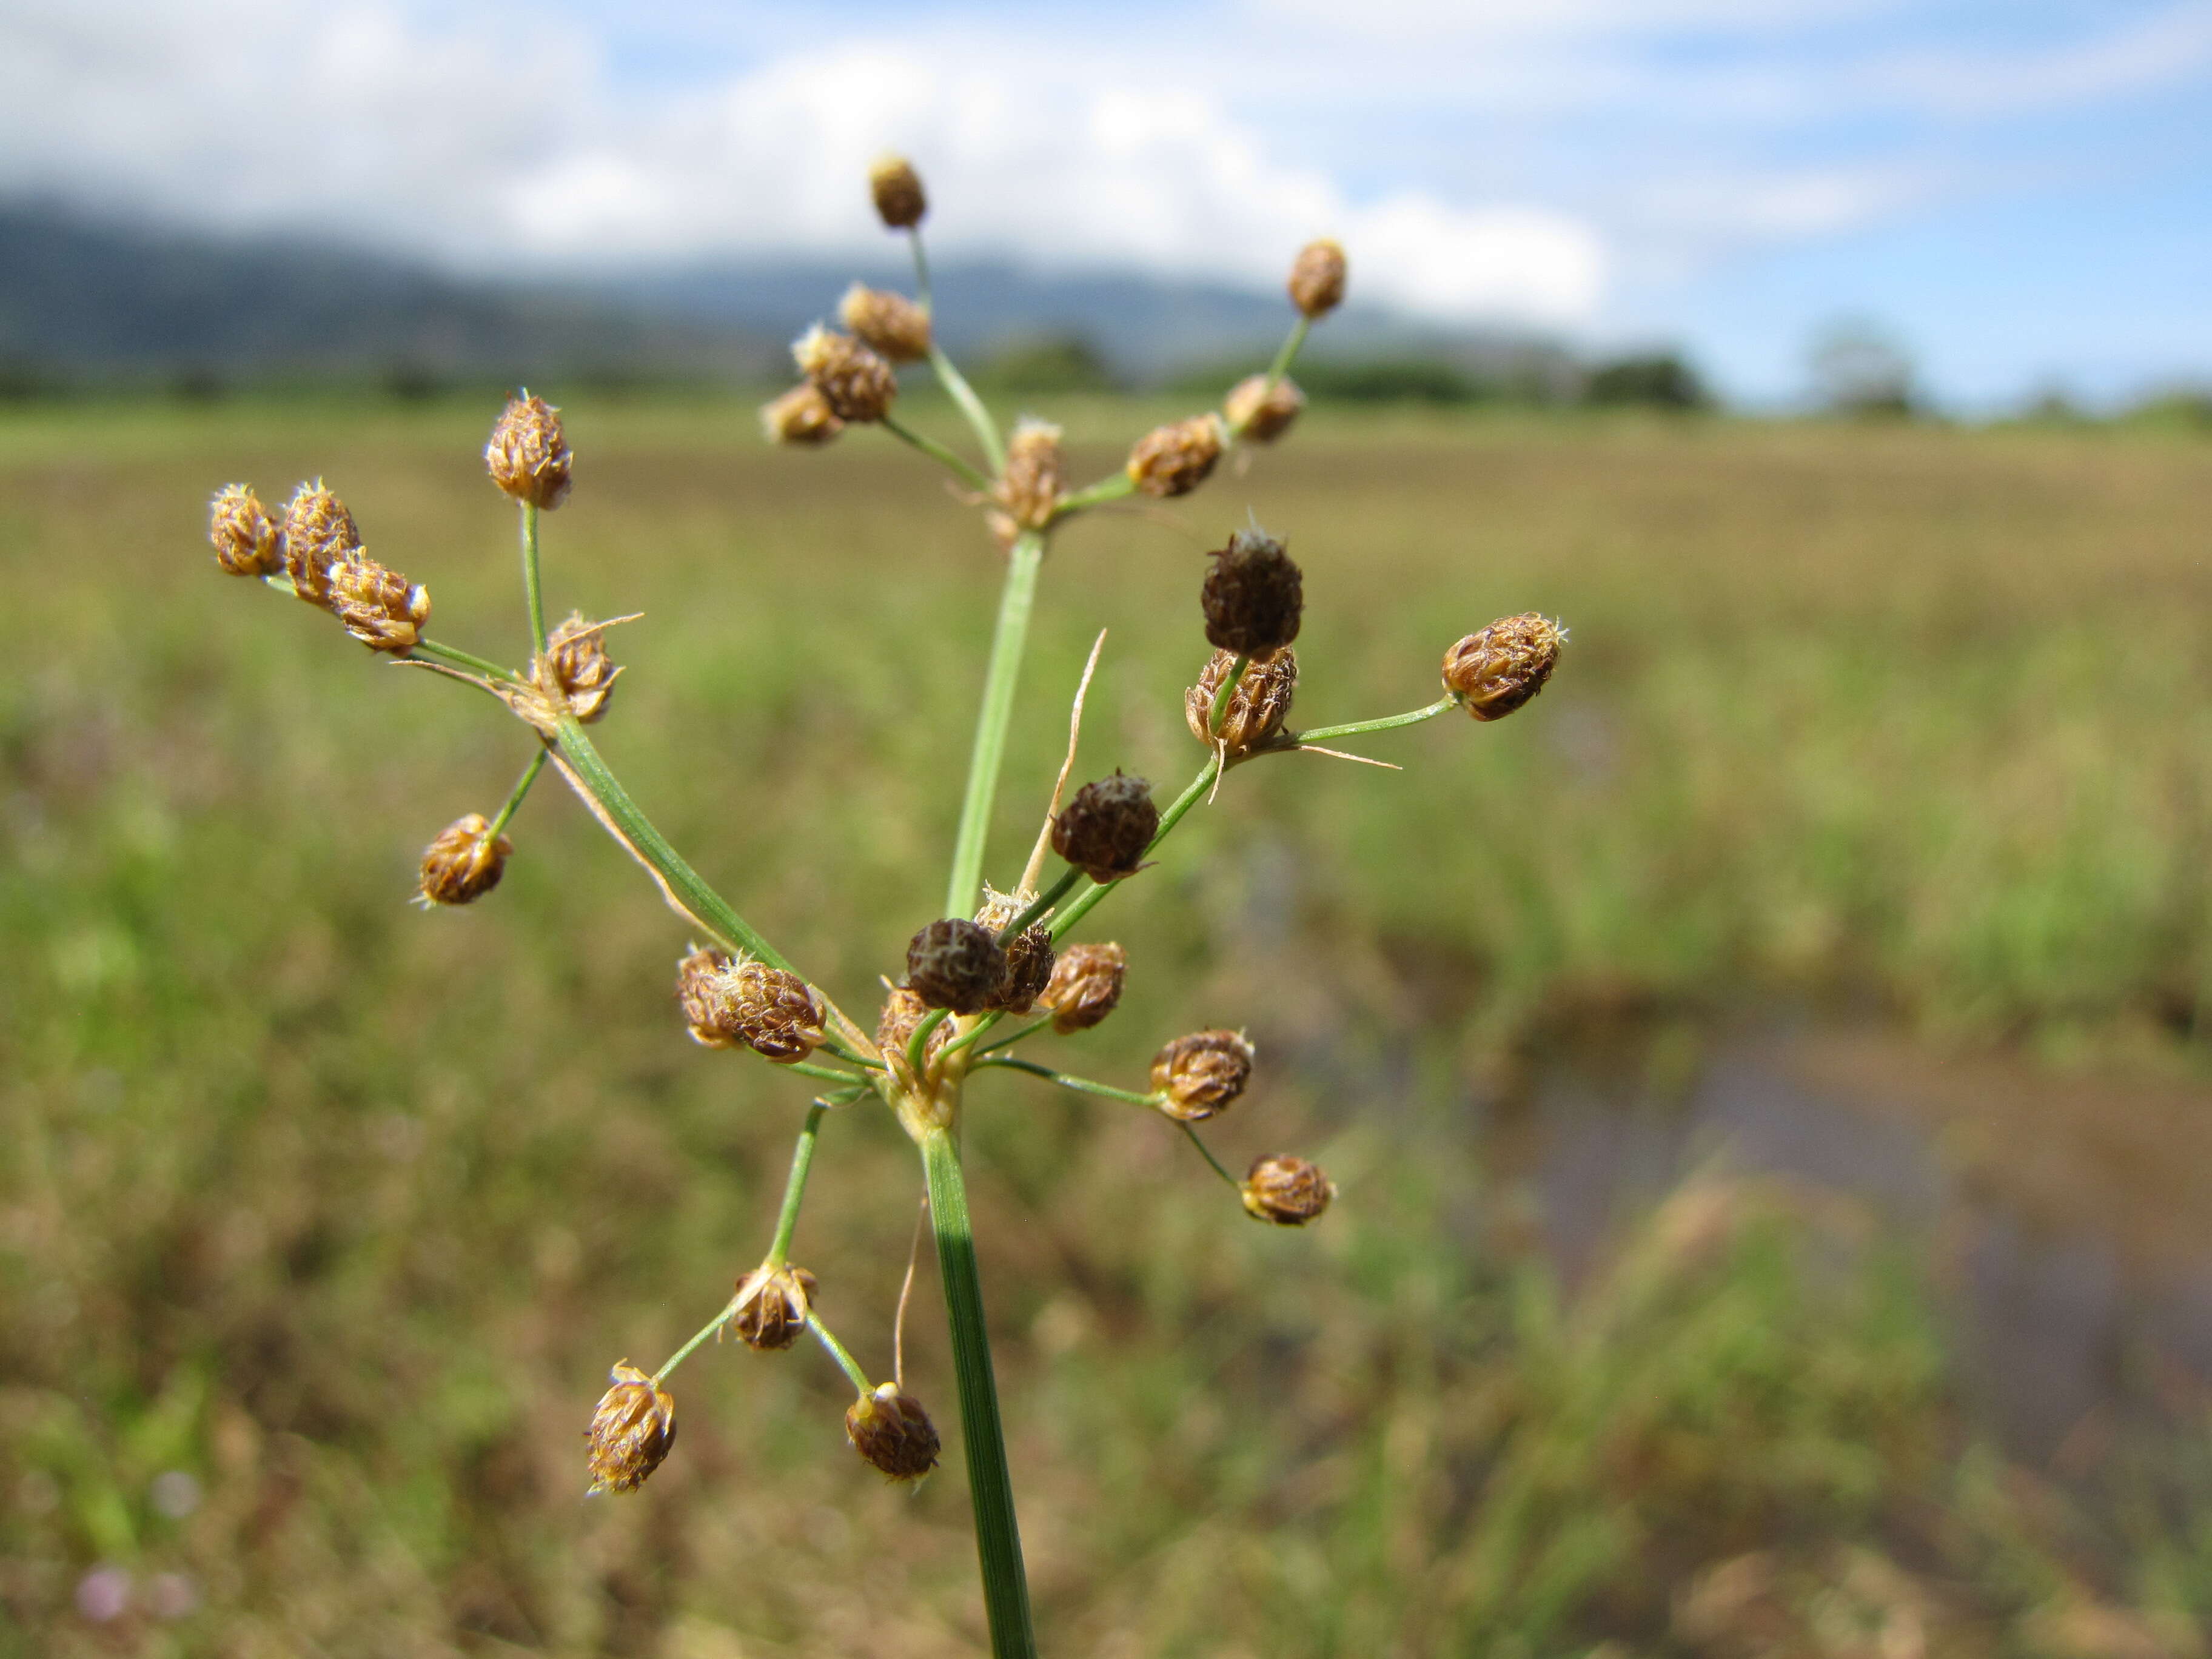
[991, 970]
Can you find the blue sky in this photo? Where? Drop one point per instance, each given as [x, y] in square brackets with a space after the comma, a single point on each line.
[2021, 192]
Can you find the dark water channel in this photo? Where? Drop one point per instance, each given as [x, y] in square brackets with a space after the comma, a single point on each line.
[2068, 1221]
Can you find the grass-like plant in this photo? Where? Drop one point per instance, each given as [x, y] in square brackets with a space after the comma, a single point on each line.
[993, 969]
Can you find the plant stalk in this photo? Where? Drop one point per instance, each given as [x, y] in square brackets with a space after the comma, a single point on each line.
[795, 1190]
[530, 581]
[1016, 600]
[998, 1539]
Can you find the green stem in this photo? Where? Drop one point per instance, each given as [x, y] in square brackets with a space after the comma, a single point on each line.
[794, 1189]
[703, 1333]
[1015, 601]
[521, 789]
[1206, 1153]
[1038, 906]
[846, 1363]
[990, 1487]
[1012, 1037]
[955, 383]
[1388, 722]
[1088, 899]
[1292, 341]
[828, 1073]
[968, 1036]
[530, 585]
[936, 451]
[1220, 709]
[454, 658]
[917, 1046]
[1082, 1086]
[685, 884]
[1111, 489]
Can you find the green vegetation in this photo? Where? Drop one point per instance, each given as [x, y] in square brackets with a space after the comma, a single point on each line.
[344, 1210]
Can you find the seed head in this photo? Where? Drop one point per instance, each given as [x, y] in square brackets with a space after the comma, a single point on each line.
[1253, 597]
[897, 189]
[1493, 673]
[894, 324]
[1174, 459]
[1262, 413]
[856, 384]
[953, 963]
[1106, 830]
[1086, 984]
[631, 1432]
[1198, 1075]
[575, 671]
[1285, 1190]
[1029, 963]
[801, 417]
[1317, 281]
[902, 1012]
[381, 608]
[772, 1306]
[318, 533]
[244, 534]
[734, 1001]
[464, 864]
[1253, 721]
[528, 456]
[892, 1431]
[1030, 487]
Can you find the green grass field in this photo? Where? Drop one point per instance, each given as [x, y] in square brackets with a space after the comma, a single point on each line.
[342, 1210]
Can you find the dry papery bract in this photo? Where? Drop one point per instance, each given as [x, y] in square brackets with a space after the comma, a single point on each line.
[985, 970]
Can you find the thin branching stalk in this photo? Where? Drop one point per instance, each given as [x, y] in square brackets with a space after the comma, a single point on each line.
[1082, 1086]
[515, 796]
[954, 382]
[1008, 641]
[1388, 723]
[937, 452]
[1206, 1153]
[532, 597]
[794, 1189]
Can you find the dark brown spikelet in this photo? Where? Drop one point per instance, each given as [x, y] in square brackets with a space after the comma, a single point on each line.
[1285, 1190]
[772, 1306]
[1253, 721]
[631, 1432]
[888, 323]
[317, 532]
[896, 188]
[575, 670]
[464, 864]
[732, 1002]
[381, 608]
[1253, 597]
[1262, 413]
[1198, 1075]
[801, 417]
[1493, 673]
[244, 534]
[856, 384]
[1086, 986]
[892, 1431]
[1316, 284]
[1174, 459]
[955, 963]
[1106, 830]
[1028, 969]
[1030, 487]
[528, 455]
[895, 1027]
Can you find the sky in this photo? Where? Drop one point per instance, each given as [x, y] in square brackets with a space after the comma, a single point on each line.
[2020, 194]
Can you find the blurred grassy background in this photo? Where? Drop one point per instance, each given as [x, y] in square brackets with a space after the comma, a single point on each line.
[321, 1219]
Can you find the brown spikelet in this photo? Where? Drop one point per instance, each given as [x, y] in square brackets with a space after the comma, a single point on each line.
[1086, 986]
[1317, 283]
[1031, 488]
[631, 1432]
[954, 963]
[1028, 969]
[892, 1431]
[1285, 1190]
[318, 533]
[903, 1012]
[801, 417]
[464, 863]
[888, 323]
[1261, 413]
[856, 384]
[575, 671]
[1254, 597]
[244, 534]
[897, 192]
[733, 1002]
[528, 455]
[1174, 459]
[1253, 721]
[380, 607]
[772, 1303]
[1493, 673]
[1200, 1075]
[1108, 828]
